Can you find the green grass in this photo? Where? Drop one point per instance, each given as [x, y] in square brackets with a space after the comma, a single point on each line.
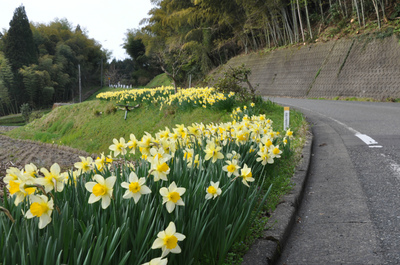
[17, 120]
[80, 126]
[12, 120]
[160, 80]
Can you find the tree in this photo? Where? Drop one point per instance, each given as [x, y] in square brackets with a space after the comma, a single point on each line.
[144, 66]
[6, 81]
[20, 50]
[19, 47]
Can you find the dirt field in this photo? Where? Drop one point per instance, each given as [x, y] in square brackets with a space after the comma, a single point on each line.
[18, 153]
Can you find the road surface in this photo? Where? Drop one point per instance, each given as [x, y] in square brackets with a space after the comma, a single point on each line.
[350, 213]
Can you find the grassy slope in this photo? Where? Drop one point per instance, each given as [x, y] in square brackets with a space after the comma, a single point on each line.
[78, 125]
[160, 80]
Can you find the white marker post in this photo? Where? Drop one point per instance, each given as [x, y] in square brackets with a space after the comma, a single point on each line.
[286, 118]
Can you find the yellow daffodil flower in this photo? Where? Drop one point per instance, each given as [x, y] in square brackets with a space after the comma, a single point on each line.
[135, 187]
[213, 191]
[289, 134]
[172, 196]
[213, 152]
[159, 169]
[40, 207]
[133, 143]
[102, 190]
[31, 170]
[232, 168]
[53, 179]
[119, 147]
[167, 240]
[85, 165]
[246, 175]
[264, 157]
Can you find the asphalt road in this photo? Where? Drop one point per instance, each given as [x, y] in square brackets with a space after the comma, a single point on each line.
[350, 213]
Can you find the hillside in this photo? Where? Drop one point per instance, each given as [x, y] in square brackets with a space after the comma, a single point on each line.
[365, 66]
[91, 125]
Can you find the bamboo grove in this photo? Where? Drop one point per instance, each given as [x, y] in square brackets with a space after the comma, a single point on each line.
[194, 36]
[39, 62]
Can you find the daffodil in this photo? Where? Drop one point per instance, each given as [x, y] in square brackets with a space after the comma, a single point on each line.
[135, 187]
[213, 152]
[213, 191]
[159, 169]
[167, 240]
[100, 162]
[85, 165]
[232, 168]
[21, 187]
[275, 152]
[102, 190]
[31, 170]
[145, 143]
[289, 134]
[13, 174]
[119, 147]
[158, 153]
[172, 196]
[246, 175]
[53, 179]
[40, 207]
[264, 157]
[132, 144]
[157, 261]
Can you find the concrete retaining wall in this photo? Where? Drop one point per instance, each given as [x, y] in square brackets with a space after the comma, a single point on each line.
[358, 67]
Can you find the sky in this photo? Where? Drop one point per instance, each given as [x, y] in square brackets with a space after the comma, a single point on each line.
[103, 20]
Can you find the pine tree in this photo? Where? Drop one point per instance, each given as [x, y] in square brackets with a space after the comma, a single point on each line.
[19, 47]
[20, 50]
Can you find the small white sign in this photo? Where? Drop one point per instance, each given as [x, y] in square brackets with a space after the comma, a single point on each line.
[286, 118]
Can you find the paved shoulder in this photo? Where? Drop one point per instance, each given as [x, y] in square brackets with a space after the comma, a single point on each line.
[267, 249]
[334, 224]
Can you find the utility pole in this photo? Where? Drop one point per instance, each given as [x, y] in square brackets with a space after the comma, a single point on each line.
[101, 75]
[80, 87]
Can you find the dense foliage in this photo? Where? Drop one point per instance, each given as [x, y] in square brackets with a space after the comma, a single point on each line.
[191, 37]
[44, 59]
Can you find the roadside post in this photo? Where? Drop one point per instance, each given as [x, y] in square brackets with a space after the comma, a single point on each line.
[286, 118]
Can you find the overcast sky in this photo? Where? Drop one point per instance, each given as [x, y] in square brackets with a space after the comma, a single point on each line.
[103, 20]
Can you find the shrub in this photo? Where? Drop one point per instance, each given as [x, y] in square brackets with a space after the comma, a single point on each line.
[26, 112]
[232, 81]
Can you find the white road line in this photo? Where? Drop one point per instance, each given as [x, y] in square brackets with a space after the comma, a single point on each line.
[363, 137]
[366, 139]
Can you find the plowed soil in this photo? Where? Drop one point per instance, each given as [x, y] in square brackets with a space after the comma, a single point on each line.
[18, 153]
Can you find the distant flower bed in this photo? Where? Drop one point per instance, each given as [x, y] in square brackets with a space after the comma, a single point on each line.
[164, 96]
[186, 201]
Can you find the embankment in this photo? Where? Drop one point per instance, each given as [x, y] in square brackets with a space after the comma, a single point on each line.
[358, 67]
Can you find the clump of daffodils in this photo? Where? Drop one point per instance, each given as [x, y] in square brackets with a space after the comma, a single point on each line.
[202, 161]
[165, 96]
